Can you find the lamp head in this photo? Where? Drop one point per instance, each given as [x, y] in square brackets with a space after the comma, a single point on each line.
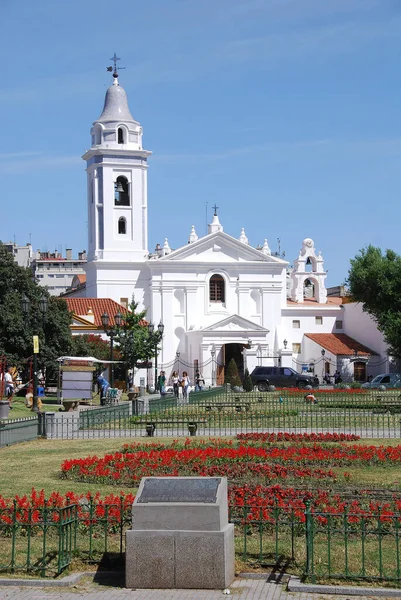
[105, 319]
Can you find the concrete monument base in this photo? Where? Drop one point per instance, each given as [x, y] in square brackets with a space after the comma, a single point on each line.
[180, 559]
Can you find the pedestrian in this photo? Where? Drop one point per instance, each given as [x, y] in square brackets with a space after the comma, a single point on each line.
[9, 385]
[161, 383]
[185, 383]
[199, 381]
[310, 398]
[175, 380]
[103, 386]
[337, 377]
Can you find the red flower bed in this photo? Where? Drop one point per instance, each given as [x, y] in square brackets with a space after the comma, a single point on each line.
[298, 437]
[239, 463]
[35, 508]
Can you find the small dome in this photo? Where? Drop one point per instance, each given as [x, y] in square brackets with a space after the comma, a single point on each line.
[115, 105]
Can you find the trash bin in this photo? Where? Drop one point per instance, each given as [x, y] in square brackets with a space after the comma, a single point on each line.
[4, 409]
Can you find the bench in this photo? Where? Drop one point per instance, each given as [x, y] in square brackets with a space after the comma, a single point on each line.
[390, 405]
[237, 405]
[192, 425]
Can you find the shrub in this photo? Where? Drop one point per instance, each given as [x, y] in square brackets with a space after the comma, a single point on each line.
[248, 385]
[232, 376]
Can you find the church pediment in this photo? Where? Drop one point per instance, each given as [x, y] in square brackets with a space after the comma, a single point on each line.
[220, 248]
[235, 323]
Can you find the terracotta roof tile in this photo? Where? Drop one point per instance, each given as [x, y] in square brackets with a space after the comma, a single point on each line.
[339, 344]
[333, 300]
[80, 307]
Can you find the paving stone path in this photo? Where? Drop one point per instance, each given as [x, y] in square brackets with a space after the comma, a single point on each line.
[243, 589]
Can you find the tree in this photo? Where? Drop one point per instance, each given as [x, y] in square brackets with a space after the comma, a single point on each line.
[248, 385]
[134, 341]
[232, 377]
[374, 279]
[16, 329]
[90, 345]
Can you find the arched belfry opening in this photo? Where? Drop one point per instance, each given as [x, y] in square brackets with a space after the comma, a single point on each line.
[120, 135]
[121, 192]
[309, 289]
[308, 275]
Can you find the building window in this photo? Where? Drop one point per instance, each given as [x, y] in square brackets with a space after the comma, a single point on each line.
[121, 192]
[296, 348]
[339, 324]
[318, 320]
[296, 324]
[216, 289]
[124, 302]
[122, 226]
[120, 135]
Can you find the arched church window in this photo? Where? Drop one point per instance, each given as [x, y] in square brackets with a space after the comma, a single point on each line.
[121, 194]
[216, 289]
[120, 135]
[122, 225]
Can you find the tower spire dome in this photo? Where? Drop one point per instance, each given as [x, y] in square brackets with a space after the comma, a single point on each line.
[116, 102]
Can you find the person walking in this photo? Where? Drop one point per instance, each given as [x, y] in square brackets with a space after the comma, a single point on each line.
[199, 381]
[185, 383]
[175, 380]
[9, 385]
[161, 383]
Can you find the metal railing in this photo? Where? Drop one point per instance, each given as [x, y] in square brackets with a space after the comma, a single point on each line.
[315, 545]
[368, 414]
[18, 430]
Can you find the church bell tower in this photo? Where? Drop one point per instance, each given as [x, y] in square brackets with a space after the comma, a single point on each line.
[116, 184]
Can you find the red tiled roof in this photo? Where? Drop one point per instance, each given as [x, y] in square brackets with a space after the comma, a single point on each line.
[336, 300]
[80, 307]
[339, 343]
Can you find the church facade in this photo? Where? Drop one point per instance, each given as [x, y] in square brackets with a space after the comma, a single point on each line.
[218, 297]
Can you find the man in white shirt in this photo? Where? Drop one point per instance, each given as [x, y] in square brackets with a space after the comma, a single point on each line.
[9, 385]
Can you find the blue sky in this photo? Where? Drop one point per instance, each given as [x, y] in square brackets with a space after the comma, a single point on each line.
[286, 113]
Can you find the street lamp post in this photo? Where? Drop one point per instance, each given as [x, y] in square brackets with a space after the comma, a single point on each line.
[111, 332]
[213, 355]
[25, 305]
[157, 336]
[323, 352]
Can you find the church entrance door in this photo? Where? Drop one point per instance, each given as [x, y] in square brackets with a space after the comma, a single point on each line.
[234, 351]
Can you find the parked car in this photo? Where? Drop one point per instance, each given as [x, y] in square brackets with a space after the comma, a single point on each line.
[387, 380]
[262, 377]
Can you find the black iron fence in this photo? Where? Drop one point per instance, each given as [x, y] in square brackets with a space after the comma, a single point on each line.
[314, 545]
[220, 412]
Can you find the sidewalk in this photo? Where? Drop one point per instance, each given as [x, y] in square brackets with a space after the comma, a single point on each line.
[243, 589]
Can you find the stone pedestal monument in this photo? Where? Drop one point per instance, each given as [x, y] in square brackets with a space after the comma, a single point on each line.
[180, 536]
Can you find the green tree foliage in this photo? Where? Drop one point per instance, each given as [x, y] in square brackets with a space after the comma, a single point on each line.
[90, 345]
[231, 376]
[248, 385]
[16, 329]
[374, 279]
[134, 341]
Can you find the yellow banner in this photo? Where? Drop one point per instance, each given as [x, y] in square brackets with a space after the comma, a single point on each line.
[36, 344]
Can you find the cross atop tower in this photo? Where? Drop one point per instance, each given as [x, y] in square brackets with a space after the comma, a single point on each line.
[115, 70]
[215, 209]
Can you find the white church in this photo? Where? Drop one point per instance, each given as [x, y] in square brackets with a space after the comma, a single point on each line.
[218, 297]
